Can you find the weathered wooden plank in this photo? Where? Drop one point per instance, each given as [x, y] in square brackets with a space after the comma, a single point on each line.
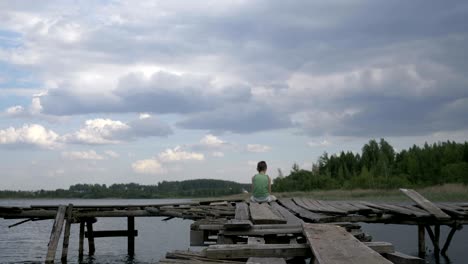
[363, 208]
[452, 210]
[332, 244]
[89, 227]
[262, 232]
[394, 209]
[311, 216]
[425, 204]
[380, 247]
[55, 234]
[242, 212]
[81, 241]
[266, 261]
[264, 214]
[66, 234]
[235, 224]
[290, 217]
[401, 258]
[239, 251]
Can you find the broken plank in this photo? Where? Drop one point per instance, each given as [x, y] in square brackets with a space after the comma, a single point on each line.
[264, 214]
[266, 261]
[401, 258]
[239, 251]
[242, 212]
[290, 217]
[381, 247]
[425, 204]
[55, 233]
[332, 244]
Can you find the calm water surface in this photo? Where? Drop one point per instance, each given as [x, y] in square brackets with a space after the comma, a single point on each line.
[27, 243]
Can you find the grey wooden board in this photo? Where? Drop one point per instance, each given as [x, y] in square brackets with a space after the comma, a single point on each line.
[316, 206]
[401, 258]
[242, 212]
[55, 233]
[264, 214]
[311, 216]
[266, 261]
[260, 250]
[290, 217]
[66, 234]
[235, 224]
[332, 244]
[262, 232]
[425, 204]
[328, 206]
[348, 208]
[364, 208]
[451, 210]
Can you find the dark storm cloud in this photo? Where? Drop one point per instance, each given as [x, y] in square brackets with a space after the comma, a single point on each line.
[240, 118]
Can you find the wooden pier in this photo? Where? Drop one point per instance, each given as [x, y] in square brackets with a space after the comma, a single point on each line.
[286, 231]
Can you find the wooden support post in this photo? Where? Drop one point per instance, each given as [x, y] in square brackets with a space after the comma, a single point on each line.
[449, 239]
[80, 246]
[66, 235]
[421, 241]
[55, 234]
[131, 236]
[89, 227]
[437, 239]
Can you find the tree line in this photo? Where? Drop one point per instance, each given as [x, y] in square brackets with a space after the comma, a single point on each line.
[380, 166]
[164, 189]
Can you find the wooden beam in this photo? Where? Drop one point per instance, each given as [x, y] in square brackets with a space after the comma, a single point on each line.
[332, 244]
[381, 247]
[435, 242]
[112, 233]
[425, 204]
[131, 235]
[235, 224]
[55, 234]
[264, 214]
[239, 251]
[449, 239]
[66, 234]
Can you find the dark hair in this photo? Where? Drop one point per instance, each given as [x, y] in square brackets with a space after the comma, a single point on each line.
[261, 166]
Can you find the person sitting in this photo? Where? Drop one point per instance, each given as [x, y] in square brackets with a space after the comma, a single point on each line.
[261, 185]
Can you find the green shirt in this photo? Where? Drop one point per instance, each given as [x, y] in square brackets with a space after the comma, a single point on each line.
[260, 182]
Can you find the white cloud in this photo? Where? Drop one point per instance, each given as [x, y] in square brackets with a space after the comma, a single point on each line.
[258, 148]
[98, 131]
[144, 116]
[82, 155]
[218, 154]
[15, 110]
[323, 143]
[33, 134]
[211, 141]
[112, 154]
[177, 154]
[148, 166]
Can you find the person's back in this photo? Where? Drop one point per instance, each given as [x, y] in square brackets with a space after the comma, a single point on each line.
[261, 185]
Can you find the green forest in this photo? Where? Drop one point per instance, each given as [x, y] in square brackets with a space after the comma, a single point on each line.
[164, 189]
[379, 166]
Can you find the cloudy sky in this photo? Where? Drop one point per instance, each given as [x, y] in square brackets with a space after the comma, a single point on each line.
[146, 91]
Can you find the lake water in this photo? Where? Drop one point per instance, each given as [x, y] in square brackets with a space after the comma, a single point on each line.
[27, 243]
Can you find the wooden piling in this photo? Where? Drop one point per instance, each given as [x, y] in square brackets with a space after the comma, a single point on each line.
[66, 235]
[437, 239]
[80, 246]
[89, 227]
[55, 234]
[131, 235]
[421, 241]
